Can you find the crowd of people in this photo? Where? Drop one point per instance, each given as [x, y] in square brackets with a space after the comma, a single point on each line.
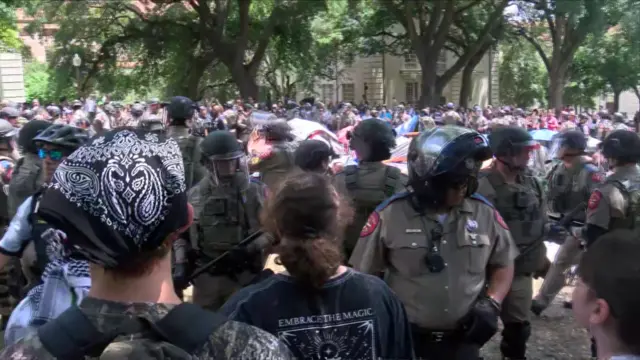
[112, 210]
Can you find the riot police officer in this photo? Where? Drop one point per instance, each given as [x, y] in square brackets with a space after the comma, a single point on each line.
[276, 160]
[226, 205]
[439, 244]
[570, 184]
[520, 199]
[181, 110]
[616, 204]
[371, 181]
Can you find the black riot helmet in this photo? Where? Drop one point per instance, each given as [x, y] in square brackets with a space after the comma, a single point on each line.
[510, 141]
[568, 144]
[372, 139]
[180, 110]
[445, 157]
[623, 146]
[224, 157]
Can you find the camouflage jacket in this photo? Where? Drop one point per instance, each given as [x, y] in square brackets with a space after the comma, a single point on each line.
[233, 340]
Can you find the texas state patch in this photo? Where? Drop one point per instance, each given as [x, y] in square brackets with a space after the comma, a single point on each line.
[500, 220]
[594, 200]
[371, 225]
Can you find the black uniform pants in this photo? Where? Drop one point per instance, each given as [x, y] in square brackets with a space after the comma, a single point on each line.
[434, 345]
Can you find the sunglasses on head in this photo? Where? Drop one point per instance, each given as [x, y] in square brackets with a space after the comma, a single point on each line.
[55, 155]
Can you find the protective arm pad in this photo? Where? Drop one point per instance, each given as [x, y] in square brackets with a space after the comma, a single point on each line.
[592, 233]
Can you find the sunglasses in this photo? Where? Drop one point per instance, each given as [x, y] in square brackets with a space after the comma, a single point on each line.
[55, 155]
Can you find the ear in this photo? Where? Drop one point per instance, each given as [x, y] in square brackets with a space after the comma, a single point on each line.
[176, 234]
[600, 313]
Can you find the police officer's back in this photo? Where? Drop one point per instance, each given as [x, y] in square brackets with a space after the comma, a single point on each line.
[616, 204]
[520, 199]
[371, 181]
[142, 318]
[181, 110]
[439, 244]
[277, 159]
[226, 206]
[570, 184]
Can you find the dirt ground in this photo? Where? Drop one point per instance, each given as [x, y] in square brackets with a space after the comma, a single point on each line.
[555, 335]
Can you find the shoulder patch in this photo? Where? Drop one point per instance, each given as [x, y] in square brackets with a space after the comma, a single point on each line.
[500, 220]
[389, 200]
[371, 225]
[477, 196]
[594, 199]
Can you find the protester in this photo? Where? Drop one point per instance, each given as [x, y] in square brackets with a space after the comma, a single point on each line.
[122, 201]
[345, 314]
[607, 294]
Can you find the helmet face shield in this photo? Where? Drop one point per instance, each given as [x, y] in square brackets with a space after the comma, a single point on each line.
[230, 169]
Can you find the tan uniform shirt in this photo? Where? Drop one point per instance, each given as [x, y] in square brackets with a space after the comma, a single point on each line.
[607, 202]
[395, 241]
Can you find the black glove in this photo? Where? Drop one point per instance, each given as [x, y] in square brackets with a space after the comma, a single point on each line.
[180, 277]
[482, 321]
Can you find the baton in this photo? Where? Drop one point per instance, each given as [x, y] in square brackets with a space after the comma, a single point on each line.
[249, 239]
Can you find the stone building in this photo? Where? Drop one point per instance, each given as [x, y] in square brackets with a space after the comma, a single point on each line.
[382, 79]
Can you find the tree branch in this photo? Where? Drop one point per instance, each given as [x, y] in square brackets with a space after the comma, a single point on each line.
[485, 36]
[539, 49]
[464, 8]
[263, 42]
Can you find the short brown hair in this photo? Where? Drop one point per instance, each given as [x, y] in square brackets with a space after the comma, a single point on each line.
[142, 263]
[307, 218]
[611, 269]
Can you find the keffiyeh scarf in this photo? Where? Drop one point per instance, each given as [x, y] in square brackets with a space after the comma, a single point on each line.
[65, 282]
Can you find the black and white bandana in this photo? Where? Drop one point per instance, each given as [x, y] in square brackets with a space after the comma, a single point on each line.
[122, 193]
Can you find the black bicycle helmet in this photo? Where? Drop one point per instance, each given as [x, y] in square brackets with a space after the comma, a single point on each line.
[66, 136]
[28, 132]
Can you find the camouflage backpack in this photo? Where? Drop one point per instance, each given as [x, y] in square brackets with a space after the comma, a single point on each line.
[366, 199]
[631, 190]
[187, 327]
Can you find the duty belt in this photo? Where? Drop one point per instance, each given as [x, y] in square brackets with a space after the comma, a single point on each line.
[435, 336]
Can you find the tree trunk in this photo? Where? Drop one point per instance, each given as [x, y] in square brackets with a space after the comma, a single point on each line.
[556, 88]
[616, 100]
[191, 86]
[245, 80]
[467, 76]
[430, 93]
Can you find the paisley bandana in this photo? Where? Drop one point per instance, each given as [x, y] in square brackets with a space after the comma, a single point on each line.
[119, 195]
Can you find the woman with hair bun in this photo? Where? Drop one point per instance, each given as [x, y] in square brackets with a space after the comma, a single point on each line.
[318, 307]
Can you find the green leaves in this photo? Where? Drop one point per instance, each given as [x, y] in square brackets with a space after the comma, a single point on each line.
[522, 75]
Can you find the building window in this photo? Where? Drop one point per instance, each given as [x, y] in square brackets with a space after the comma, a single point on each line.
[412, 92]
[411, 61]
[328, 93]
[348, 93]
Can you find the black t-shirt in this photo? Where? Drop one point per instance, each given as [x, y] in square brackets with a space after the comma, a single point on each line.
[354, 316]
